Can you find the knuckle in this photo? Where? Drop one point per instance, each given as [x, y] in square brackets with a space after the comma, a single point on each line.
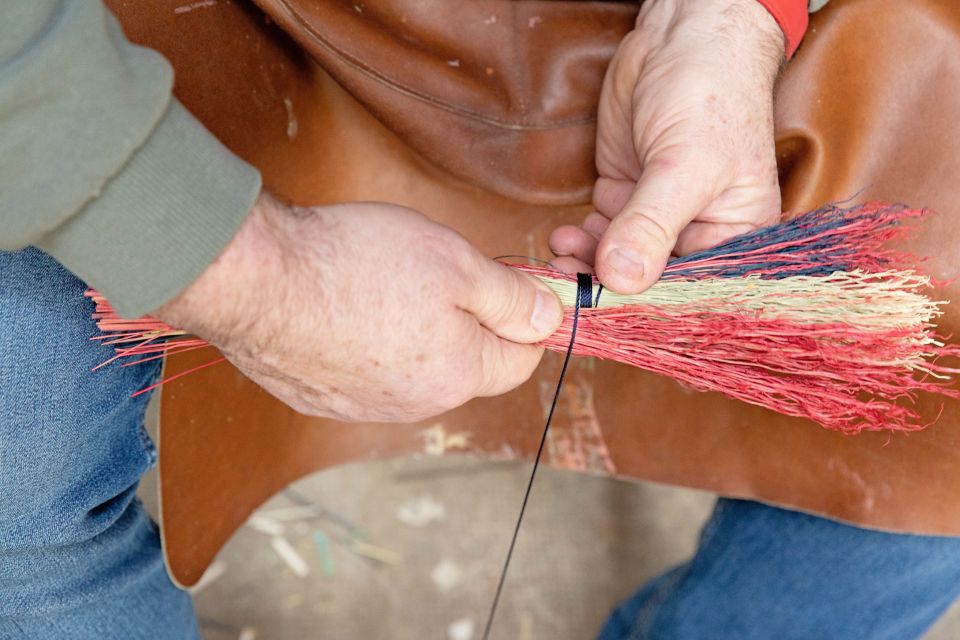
[505, 298]
[451, 251]
[489, 364]
[527, 363]
[522, 367]
[595, 224]
[650, 226]
[605, 196]
[476, 361]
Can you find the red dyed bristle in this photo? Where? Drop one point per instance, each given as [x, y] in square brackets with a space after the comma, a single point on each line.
[853, 363]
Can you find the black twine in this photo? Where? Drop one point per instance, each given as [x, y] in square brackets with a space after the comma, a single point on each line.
[583, 300]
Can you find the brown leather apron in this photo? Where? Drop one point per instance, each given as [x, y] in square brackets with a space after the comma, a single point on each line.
[481, 115]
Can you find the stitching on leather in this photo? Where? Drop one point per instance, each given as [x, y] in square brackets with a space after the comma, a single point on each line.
[423, 97]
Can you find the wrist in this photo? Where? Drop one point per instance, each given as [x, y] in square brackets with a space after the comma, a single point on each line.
[758, 35]
[792, 18]
[740, 32]
[217, 304]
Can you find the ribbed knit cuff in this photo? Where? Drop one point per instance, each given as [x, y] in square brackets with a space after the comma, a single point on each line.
[792, 17]
[162, 220]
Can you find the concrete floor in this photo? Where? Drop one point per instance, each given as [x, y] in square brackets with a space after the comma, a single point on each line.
[438, 530]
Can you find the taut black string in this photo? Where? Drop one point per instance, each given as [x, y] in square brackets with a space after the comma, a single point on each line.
[584, 300]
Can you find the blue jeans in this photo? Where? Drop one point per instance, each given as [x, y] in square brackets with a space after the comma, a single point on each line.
[762, 573]
[79, 557]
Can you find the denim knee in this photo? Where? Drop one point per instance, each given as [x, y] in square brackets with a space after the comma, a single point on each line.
[72, 441]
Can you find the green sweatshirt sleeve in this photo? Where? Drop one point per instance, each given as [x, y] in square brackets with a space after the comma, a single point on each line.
[100, 166]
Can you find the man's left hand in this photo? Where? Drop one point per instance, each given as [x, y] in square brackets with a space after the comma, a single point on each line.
[685, 146]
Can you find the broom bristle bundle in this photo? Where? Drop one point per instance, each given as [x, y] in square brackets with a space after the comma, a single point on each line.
[816, 318]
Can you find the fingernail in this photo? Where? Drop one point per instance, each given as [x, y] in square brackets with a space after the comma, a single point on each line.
[626, 262]
[545, 314]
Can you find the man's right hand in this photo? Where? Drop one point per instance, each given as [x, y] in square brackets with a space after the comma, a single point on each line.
[366, 311]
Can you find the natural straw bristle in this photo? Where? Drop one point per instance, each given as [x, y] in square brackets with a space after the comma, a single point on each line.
[816, 317]
[843, 364]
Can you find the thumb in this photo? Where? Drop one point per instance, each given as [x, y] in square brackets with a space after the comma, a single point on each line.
[513, 305]
[634, 249]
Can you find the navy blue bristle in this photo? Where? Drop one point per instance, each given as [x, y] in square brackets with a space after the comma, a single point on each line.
[791, 248]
